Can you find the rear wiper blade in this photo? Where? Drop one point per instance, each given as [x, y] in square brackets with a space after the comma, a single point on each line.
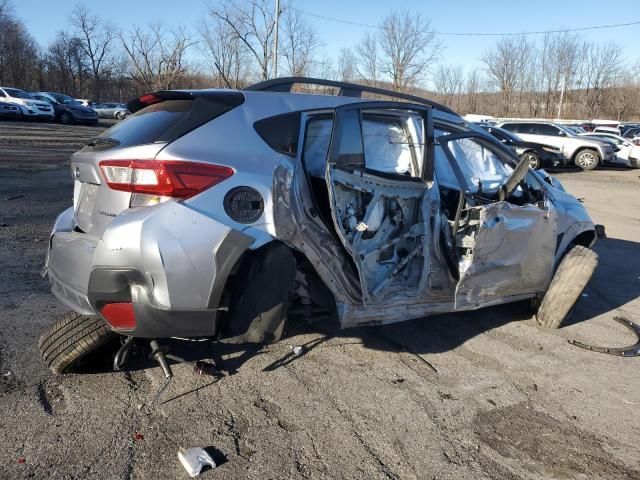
[99, 141]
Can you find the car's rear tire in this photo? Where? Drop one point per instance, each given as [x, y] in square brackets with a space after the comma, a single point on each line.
[260, 297]
[571, 278]
[532, 159]
[587, 159]
[71, 338]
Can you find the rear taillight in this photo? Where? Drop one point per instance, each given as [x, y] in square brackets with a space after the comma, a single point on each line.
[120, 316]
[166, 178]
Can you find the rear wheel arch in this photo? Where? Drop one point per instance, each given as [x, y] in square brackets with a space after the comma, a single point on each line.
[259, 289]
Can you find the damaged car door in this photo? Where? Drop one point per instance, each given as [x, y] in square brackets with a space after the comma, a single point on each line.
[379, 178]
[504, 235]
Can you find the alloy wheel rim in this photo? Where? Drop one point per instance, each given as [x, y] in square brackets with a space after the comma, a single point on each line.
[587, 159]
[533, 161]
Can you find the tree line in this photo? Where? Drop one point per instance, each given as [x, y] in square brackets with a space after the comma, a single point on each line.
[558, 74]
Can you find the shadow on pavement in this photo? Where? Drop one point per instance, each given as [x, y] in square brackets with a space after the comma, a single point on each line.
[619, 259]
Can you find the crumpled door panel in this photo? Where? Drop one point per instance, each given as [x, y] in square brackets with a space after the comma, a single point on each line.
[381, 224]
[510, 252]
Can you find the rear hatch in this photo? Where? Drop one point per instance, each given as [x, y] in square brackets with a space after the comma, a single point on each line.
[159, 119]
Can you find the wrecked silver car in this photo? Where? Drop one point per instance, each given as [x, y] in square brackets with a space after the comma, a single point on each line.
[221, 213]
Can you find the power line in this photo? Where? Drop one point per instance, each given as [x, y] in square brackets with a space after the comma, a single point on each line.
[483, 34]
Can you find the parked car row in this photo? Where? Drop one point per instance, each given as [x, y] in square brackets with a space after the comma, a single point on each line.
[51, 106]
[585, 150]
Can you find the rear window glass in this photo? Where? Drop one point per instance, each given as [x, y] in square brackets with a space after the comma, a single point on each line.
[281, 132]
[149, 124]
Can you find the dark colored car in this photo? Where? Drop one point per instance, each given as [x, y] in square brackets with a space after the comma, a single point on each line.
[9, 110]
[537, 154]
[68, 110]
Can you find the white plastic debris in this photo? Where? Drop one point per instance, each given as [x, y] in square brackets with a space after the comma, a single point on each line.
[297, 351]
[193, 459]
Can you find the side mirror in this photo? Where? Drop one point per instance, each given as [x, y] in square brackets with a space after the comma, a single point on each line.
[562, 133]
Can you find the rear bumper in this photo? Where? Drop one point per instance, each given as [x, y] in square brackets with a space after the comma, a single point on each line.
[174, 284]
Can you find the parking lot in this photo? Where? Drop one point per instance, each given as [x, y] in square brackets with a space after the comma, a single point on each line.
[474, 395]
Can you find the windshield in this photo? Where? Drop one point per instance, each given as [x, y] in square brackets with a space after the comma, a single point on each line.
[566, 130]
[506, 133]
[65, 99]
[15, 93]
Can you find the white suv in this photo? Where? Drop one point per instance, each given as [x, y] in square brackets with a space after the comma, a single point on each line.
[585, 153]
[29, 106]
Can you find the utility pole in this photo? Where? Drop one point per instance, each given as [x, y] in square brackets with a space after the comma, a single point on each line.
[275, 41]
[564, 84]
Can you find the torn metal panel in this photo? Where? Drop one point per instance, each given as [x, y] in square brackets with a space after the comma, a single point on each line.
[509, 250]
[381, 223]
[298, 224]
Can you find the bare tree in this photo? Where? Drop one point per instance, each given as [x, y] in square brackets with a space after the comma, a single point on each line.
[598, 71]
[225, 52]
[557, 64]
[505, 64]
[19, 60]
[300, 42]
[472, 91]
[409, 48]
[96, 40]
[65, 64]
[448, 81]
[252, 22]
[368, 63]
[347, 65]
[157, 55]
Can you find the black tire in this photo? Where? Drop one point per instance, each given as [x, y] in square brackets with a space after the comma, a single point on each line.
[532, 158]
[587, 159]
[66, 118]
[71, 338]
[571, 278]
[260, 297]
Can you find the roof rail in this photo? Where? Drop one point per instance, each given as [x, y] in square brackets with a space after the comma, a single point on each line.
[285, 84]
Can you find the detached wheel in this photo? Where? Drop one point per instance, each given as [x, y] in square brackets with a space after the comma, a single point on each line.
[71, 338]
[571, 278]
[588, 159]
[66, 118]
[532, 159]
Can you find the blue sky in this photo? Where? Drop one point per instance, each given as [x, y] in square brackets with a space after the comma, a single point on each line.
[45, 17]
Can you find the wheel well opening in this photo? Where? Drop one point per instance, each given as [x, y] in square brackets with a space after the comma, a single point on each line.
[309, 299]
[586, 239]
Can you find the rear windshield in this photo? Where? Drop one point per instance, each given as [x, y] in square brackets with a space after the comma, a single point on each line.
[149, 124]
[166, 121]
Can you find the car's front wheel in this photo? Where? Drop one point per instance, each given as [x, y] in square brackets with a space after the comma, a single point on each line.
[66, 118]
[587, 159]
[571, 278]
[532, 159]
[71, 338]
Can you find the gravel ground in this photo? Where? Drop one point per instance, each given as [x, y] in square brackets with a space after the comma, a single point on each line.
[477, 395]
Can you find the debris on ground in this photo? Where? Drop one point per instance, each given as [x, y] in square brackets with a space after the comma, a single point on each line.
[631, 351]
[194, 459]
[297, 350]
[14, 197]
[138, 437]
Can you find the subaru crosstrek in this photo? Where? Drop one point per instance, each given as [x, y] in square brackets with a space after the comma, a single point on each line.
[221, 213]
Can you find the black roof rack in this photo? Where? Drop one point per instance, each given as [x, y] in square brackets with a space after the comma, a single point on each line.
[346, 89]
